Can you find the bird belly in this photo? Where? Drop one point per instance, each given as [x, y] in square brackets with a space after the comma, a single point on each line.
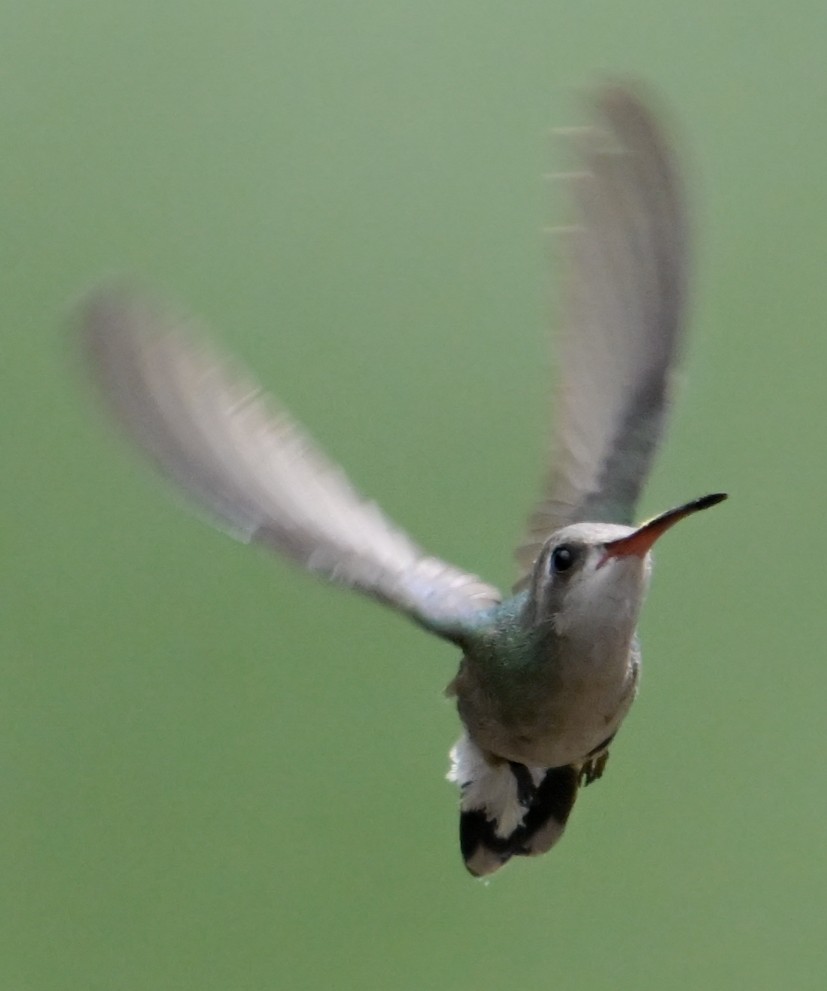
[549, 717]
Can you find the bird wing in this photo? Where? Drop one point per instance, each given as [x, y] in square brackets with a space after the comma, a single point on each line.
[625, 261]
[207, 426]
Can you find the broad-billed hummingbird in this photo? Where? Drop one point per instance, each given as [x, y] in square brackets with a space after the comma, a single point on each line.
[547, 674]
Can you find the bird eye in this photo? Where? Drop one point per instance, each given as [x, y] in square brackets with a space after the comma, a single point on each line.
[562, 558]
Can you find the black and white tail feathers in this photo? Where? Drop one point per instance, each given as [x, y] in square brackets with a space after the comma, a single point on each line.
[508, 809]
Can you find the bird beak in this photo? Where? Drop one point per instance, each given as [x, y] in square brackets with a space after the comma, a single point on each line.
[639, 542]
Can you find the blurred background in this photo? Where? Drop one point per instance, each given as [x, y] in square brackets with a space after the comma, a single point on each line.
[217, 774]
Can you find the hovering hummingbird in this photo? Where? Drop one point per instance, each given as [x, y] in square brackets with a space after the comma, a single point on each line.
[547, 674]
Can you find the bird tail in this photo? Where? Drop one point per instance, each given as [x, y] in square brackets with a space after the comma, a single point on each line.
[508, 809]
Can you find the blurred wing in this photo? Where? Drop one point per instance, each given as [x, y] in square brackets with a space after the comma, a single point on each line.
[625, 260]
[208, 427]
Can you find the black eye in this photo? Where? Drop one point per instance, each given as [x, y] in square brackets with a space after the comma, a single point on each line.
[562, 558]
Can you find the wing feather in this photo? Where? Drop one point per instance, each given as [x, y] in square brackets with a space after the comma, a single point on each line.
[207, 426]
[625, 261]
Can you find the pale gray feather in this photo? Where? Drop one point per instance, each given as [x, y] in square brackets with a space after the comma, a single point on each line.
[207, 425]
[625, 268]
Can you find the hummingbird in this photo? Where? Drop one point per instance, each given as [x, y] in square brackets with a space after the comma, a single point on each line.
[549, 672]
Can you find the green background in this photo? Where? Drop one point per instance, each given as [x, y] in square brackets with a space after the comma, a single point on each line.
[216, 773]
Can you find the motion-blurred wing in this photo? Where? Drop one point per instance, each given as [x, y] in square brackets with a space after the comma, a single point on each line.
[207, 426]
[625, 261]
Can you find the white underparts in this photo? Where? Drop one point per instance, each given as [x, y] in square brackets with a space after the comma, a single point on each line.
[488, 784]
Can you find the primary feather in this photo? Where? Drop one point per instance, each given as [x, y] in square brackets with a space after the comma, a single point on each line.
[207, 425]
[625, 269]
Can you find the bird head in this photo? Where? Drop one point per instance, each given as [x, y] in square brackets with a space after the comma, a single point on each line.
[590, 579]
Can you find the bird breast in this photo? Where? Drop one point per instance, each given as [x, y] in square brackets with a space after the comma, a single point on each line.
[554, 709]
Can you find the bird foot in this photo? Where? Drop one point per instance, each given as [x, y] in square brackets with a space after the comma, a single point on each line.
[593, 768]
